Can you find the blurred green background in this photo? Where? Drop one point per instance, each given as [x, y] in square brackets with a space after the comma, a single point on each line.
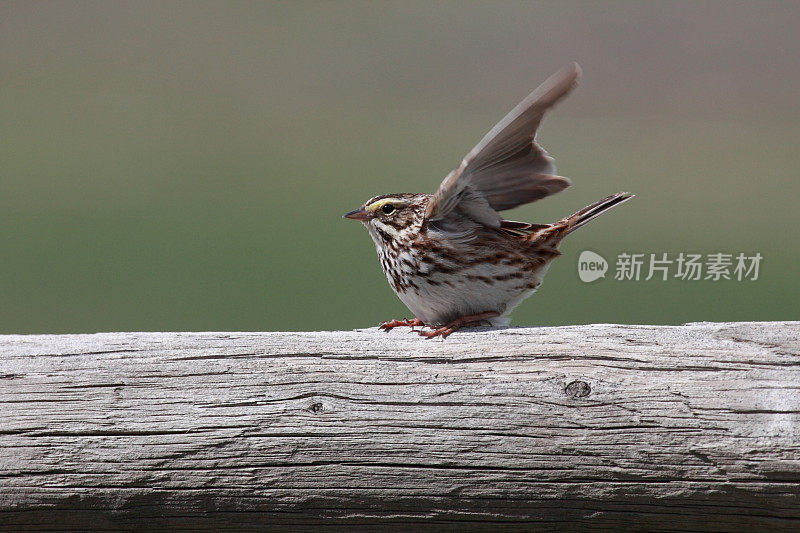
[184, 165]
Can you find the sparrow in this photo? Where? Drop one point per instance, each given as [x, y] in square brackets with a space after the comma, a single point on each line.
[449, 256]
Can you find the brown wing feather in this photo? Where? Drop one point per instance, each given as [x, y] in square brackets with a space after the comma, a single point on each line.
[521, 228]
[507, 167]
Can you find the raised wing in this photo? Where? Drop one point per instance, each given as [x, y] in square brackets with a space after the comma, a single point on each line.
[507, 168]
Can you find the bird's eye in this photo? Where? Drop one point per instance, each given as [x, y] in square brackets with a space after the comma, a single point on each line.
[387, 209]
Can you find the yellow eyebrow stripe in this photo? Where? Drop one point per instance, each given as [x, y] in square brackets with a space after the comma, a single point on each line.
[374, 206]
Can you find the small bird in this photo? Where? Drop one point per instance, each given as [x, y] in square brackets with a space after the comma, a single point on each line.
[449, 256]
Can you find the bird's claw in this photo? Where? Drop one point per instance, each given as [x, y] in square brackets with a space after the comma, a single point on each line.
[465, 321]
[391, 324]
[442, 332]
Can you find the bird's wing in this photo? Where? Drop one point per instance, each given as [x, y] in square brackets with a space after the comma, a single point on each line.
[507, 168]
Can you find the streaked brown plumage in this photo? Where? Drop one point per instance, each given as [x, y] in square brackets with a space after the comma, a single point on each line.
[449, 256]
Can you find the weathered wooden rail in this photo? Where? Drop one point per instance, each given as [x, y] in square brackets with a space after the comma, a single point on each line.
[695, 427]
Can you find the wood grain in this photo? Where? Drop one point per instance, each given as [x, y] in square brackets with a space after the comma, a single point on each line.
[693, 427]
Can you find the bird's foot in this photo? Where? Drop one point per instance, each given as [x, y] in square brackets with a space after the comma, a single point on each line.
[386, 326]
[460, 322]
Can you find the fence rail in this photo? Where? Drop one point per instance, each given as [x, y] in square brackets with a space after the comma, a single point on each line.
[693, 427]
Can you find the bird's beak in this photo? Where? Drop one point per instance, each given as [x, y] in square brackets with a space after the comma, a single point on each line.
[358, 214]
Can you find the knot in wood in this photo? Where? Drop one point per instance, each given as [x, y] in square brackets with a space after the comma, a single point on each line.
[316, 407]
[577, 389]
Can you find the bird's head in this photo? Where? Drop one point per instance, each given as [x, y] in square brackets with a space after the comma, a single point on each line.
[386, 216]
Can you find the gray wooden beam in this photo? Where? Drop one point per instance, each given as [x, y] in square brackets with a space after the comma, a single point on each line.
[693, 427]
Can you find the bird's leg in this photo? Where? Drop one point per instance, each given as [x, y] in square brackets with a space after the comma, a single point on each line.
[386, 326]
[460, 322]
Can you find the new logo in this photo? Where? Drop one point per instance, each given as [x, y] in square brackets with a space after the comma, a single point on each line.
[591, 266]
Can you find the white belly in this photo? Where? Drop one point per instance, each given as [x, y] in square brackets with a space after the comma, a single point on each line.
[441, 298]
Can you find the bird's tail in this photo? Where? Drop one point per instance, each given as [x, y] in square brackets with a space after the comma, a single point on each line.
[553, 233]
[590, 212]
